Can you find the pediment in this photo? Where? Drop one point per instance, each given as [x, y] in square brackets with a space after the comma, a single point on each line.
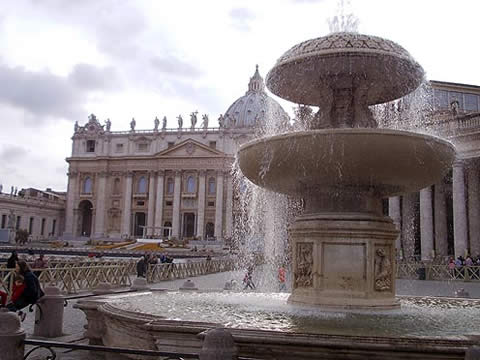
[190, 148]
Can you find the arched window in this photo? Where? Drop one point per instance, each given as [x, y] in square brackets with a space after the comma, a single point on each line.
[209, 230]
[167, 229]
[142, 185]
[190, 184]
[116, 186]
[211, 185]
[87, 186]
[170, 186]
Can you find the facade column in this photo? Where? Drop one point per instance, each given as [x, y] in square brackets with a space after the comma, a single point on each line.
[159, 200]
[229, 208]
[219, 207]
[408, 225]
[395, 213]
[151, 203]
[474, 210]
[460, 231]
[177, 192]
[440, 216]
[69, 213]
[201, 205]
[127, 205]
[426, 224]
[100, 205]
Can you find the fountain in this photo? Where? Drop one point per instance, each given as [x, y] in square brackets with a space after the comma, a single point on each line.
[343, 246]
[343, 166]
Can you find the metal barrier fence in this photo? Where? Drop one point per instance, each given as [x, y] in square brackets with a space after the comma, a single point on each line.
[73, 277]
[437, 272]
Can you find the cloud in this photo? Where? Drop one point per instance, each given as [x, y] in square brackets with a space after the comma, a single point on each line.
[43, 95]
[89, 77]
[173, 66]
[9, 153]
[241, 18]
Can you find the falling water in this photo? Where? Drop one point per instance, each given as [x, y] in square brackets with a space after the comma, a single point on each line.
[345, 20]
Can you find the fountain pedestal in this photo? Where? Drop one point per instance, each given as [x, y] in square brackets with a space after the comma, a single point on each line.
[344, 260]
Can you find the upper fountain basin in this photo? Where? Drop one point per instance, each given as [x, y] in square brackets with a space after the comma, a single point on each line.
[311, 69]
[379, 162]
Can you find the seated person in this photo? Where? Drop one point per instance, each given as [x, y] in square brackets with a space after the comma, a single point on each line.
[17, 291]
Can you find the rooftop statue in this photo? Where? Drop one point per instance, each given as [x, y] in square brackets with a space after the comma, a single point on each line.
[164, 123]
[180, 121]
[108, 124]
[132, 124]
[193, 119]
[221, 121]
[205, 121]
[157, 123]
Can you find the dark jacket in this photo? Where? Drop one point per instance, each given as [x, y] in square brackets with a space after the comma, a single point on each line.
[11, 262]
[141, 267]
[32, 291]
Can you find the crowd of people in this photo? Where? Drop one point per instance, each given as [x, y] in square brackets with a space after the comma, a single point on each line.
[26, 289]
[151, 259]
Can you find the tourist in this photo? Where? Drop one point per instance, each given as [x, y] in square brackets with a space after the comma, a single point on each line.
[32, 291]
[17, 290]
[12, 260]
[282, 278]
[142, 266]
[248, 280]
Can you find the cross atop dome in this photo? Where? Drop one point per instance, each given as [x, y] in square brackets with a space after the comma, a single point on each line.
[256, 83]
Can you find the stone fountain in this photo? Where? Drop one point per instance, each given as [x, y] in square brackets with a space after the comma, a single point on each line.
[343, 166]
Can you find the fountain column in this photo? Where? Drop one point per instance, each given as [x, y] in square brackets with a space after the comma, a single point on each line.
[408, 225]
[151, 204]
[219, 207]
[127, 205]
[201, 205]
[100, 205]
[440, 216]
[159, 200]
[395, 212]
[460, 231]
[176, 205]
[474, 210]
[426, 224]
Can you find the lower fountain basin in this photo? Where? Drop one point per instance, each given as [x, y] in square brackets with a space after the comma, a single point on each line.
[380, 162]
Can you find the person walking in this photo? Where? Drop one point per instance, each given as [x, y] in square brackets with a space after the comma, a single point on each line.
[12, 260]
[142, 266]
[248, 280]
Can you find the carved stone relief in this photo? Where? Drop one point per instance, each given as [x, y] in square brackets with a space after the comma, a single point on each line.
[304, 269]
[383, 269]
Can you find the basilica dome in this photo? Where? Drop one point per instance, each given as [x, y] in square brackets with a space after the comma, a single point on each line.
[251, 109]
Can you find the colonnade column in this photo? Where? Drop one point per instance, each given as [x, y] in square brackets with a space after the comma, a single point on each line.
[395, 213]
[177, 191]
[408, 225]
[440, 215]
[151, 203]
[127, 205]
[426, 224]
[72, 186]
[229, 208]
[219, 207]
[474, 210]
[159, 200]
[100, 205]
[460, 231]
[201, 205]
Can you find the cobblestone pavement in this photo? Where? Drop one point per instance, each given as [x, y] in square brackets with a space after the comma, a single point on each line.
[74, 319]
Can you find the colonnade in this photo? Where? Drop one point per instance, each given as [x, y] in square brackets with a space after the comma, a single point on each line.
[433, 210]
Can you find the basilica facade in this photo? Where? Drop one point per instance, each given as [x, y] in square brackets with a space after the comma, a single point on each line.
[162, 182]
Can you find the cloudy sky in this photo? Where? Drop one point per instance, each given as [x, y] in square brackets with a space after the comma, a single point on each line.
[61, 60]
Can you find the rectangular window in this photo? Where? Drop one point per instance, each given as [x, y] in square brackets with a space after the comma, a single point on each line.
[211, 203]
[119, 148]
[54, 224]
[142, 147]
[212, 144]
[471, 102]
[170, 144]
[17, 224]
[169, 203]
[30, 226]
[90, 145]
[140, 203]
[441, 99]
[4, 221]
[42, 230]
